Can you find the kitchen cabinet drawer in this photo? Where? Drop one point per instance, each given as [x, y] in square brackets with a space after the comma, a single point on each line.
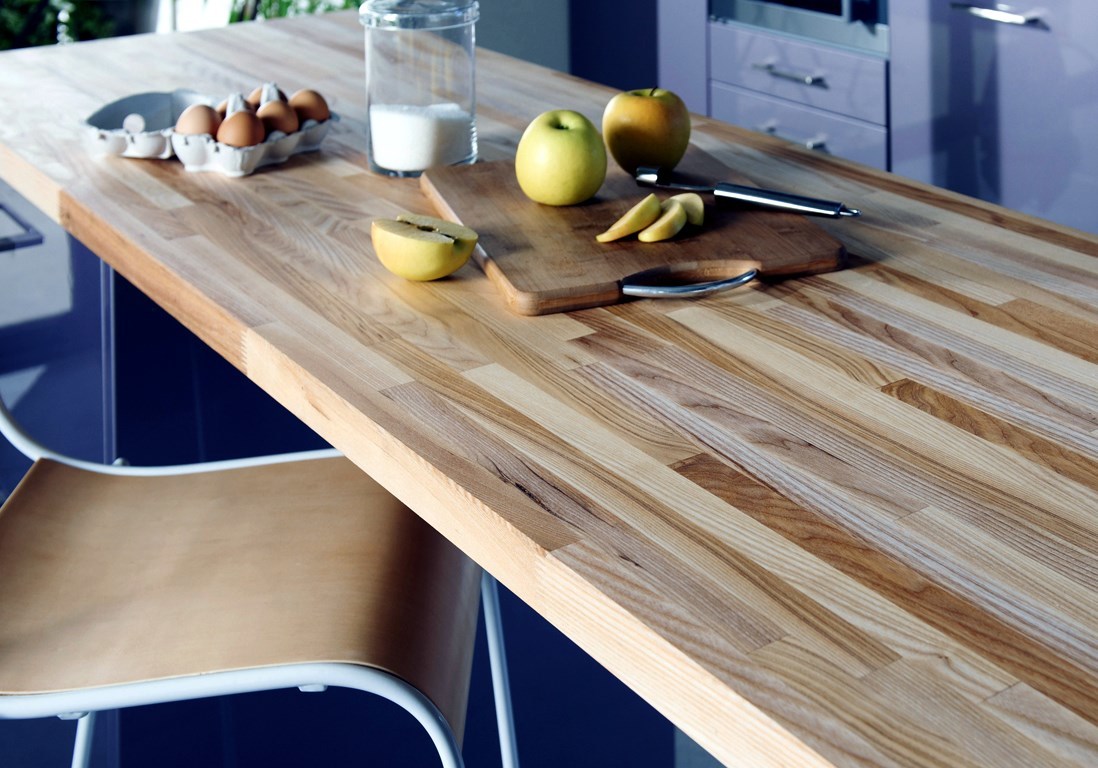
[808, 73]
[840, 136]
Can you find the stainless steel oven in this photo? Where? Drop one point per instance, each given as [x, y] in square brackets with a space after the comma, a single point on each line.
[861, 24]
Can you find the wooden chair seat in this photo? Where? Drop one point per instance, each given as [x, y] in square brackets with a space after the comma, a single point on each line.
[110, 579]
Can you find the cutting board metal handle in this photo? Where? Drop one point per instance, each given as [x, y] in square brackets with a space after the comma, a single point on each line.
[693, 290]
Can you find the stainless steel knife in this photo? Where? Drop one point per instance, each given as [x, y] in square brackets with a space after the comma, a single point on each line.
[785, 201]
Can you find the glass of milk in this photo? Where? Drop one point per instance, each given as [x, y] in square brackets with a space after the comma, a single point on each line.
[420, 94]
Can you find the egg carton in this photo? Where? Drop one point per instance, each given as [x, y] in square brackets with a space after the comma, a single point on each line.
[143, 126]
[140, 125]
[204, 153]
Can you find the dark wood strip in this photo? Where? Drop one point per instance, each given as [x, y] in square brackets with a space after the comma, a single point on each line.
[1056, 457]
[1022, 316]
[951, 614]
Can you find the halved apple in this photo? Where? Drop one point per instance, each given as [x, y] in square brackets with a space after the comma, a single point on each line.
[672, 219]
[419, 247]
[465, 239]
[635, 219]
[693, 205]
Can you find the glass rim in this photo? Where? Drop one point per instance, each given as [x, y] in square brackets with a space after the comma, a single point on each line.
[418, 14]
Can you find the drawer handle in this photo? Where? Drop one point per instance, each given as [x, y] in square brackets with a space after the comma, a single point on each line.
[29, 236]
[818, 81]
[817, 142]
[1002, 14]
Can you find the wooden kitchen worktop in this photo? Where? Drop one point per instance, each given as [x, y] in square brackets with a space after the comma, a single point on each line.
[848, 520]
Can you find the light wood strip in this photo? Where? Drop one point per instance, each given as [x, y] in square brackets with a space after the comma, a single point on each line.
[1061, 732]
[1067, 463]
[1023, 357]
[839, 316]
[619, 460]
[1071, 607]
[930, 702]
[717, 424]
[921, 437]
[857, 558]
[736, 727]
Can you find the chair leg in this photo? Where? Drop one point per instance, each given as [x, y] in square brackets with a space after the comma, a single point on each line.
[501, 683]
[81, 751]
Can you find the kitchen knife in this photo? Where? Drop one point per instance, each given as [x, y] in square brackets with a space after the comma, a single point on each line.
[785, 201]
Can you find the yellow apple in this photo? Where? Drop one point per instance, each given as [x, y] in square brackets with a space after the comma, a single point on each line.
[672, 219]
[420, 247]
[649, 127]
[465, 239]
[634, 220]
[694, 206]
[561, 159]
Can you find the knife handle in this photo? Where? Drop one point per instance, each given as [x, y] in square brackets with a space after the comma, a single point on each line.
[782, 200]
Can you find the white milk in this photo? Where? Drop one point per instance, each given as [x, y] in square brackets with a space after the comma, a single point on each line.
[407, 138]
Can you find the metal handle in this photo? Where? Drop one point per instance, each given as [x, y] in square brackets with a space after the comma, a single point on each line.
[784, 201]
[692, 291]
[818, 81]
[817, 142]
[29, 235]
[1002, 14]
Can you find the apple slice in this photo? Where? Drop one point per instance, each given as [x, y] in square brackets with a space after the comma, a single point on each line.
[420, 247]
[693, 205]
[635, 219]
[672, 219]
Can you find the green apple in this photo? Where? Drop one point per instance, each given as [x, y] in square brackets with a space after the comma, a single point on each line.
[561, 159]
[671, 221]
[649, 127]
[420, 247]
[634, 220]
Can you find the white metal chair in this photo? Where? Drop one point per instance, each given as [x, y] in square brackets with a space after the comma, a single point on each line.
[124, 586]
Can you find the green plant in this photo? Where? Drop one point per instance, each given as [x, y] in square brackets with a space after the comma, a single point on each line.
[26, 23]
[246, 10]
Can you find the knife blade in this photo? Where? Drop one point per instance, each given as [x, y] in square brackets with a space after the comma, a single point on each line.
[785, 201]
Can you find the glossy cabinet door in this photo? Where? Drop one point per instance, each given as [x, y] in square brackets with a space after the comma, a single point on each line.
[682, 50]
[1002, 105]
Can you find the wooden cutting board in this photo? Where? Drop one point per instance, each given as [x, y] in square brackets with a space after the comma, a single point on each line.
[546, 259]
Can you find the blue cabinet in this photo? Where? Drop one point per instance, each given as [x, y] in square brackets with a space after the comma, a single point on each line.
[1002, 106]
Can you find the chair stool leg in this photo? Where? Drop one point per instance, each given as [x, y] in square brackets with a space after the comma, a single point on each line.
[501, 684]
[81, 751]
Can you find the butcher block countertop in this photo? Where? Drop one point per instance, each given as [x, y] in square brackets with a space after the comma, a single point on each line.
[841, 520]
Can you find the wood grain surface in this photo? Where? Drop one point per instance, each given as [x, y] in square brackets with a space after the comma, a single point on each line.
[841, 520]
[545, 259]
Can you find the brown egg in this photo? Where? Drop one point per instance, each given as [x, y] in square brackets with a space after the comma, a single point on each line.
[255, 98]
[278, 116]
[198, 119]
[241, 129]
[310, 105]
[223, 107]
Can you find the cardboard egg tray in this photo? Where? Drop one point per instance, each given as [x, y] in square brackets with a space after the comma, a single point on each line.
[142, 126]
